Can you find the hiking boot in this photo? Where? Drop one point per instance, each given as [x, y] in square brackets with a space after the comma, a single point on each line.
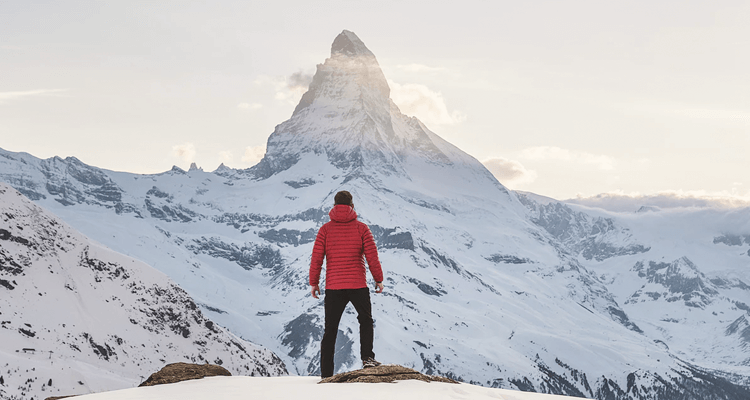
[369, 362]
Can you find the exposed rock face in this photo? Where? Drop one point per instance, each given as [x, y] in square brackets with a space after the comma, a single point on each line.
[384, 373]
[594, 238]
[679, 280]
[178, 372]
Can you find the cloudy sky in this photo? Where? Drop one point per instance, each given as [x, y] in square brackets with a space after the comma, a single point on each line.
[561, 98]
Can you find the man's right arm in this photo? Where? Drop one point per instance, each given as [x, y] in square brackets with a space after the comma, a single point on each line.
[318, 255]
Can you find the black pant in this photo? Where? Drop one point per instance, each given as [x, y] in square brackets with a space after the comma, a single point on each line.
[335, 303]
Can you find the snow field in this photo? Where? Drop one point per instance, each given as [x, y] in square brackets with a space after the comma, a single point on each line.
[295, 388]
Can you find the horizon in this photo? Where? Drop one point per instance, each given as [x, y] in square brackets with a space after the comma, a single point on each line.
[635, 103]
[611, 201]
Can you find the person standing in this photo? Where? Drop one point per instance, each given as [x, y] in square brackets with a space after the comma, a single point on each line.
[342, 242]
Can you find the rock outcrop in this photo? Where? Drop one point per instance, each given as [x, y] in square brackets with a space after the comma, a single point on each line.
[384, 373]
[178, 372]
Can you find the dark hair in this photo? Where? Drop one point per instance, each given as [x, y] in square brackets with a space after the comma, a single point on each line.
[343, 197]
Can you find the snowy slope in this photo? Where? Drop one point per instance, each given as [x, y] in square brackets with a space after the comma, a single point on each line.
[482, 284]
[78, 317]
[283, 388]
[689, 291]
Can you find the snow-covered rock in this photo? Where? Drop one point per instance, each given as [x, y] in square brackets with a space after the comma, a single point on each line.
[78, 317]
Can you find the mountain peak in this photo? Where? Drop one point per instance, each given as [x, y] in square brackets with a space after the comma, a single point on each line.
[352, 72]
[347, 116]
[348, 44]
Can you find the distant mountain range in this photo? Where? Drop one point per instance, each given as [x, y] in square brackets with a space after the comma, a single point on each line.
[483, 284]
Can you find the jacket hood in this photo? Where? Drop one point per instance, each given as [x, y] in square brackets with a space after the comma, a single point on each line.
[342, 213]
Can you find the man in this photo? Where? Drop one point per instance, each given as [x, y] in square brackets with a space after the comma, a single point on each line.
[342, 242]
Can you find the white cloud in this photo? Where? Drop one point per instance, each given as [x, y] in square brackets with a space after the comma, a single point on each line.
[299, 81]
[542, 153]
[185, 152]
[262, 80]
[423, 103]
[629, 202]
[253, 154]
[226, 157]
[508, 172]
[278, 85]
[288, 89]
[7, 96]
[285, 96]
[249, 106]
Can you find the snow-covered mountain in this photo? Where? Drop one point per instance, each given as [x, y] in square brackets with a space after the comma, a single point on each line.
[78, 317]
[483, 284]
[689, 291]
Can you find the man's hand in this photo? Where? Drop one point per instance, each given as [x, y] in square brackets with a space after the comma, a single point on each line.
[379, 287]
[315, 290]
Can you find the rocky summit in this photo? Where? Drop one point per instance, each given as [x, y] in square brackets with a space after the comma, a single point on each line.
[179, 372]
[383, 373]
[483, 284]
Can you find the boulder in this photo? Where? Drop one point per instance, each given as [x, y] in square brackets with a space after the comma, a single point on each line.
[178, 372]
[384, 373]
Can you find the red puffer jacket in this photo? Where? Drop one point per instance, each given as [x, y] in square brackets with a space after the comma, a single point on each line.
[342, 242]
